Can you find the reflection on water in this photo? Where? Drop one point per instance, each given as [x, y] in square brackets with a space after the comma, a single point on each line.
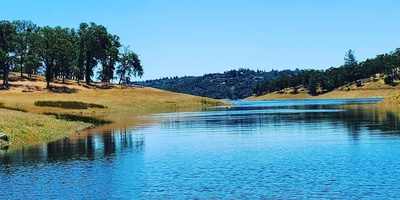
[272, 149]
[89, 147]
[355, 118]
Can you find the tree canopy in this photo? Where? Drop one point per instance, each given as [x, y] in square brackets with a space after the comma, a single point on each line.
[7, 48]
[64, 53]
[232, 84]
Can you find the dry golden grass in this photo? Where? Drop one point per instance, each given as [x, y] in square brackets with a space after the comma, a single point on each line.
[287, 93]
[371, 88]
[119, 102]
[277, 95]
[123, 106]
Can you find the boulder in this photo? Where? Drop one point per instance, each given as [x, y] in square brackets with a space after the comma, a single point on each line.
[4, 137]
[4, 141]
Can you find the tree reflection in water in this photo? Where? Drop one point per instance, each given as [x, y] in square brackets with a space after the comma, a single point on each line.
[87, 147]
[354, 118]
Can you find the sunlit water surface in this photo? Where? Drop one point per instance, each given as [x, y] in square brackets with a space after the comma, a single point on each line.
[255, 150]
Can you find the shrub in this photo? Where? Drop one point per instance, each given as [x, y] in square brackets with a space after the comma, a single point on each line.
[359, 83]
[388, 80]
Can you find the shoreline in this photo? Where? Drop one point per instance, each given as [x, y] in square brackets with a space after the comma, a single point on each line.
[386, 94]
[324, 98]
[368, 89]
[26, 123]
[36, 117]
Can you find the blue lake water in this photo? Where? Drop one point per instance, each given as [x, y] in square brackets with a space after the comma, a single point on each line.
[291, 149]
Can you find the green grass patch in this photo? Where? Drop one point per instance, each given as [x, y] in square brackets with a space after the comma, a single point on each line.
[68, 104]
[24, 129]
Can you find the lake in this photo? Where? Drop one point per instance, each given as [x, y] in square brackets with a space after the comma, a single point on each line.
[289, 149]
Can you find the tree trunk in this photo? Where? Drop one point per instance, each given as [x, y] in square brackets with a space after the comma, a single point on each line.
[48, 74]
[120, 79]
[22, 67]
[88, 69]
[87, 78]
[5, 76]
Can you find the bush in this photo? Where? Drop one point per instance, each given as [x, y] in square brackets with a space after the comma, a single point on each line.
[359, 83]
[388, 80]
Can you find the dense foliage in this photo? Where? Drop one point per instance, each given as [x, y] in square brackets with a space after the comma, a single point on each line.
[237, 84]
[65, 53]
[320, 81]
[233, 84]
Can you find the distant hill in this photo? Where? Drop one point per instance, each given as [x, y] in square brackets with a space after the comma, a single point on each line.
[374, 86]
[243, 83]
[233, 84]
[318, 82]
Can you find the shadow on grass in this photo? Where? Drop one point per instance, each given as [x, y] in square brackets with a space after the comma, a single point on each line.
[86, 119]
[68, 104]
[12, 108]
[62, 89]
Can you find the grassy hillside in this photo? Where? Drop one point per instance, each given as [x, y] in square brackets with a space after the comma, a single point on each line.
[369, 88]
[287, 93]
[27, 123]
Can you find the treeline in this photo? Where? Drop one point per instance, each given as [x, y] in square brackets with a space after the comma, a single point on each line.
[233, 84]
[65, 53]
[320, 81]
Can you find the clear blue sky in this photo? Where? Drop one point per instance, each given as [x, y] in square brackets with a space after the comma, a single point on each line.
[193, 37]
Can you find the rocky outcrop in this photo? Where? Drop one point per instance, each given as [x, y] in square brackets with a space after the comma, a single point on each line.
[4, 140]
